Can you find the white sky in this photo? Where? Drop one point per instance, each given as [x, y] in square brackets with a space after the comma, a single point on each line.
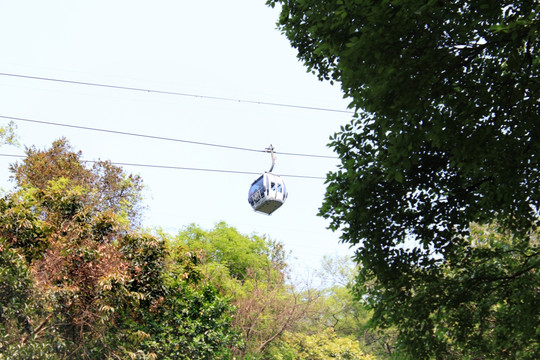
[213, 48]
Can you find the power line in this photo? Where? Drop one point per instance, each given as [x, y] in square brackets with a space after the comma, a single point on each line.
[155, 137]
[165, 92]
[187, 168]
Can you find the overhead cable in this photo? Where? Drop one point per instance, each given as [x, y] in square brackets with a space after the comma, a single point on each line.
[165, 92]
[186, 168]
[155, 137]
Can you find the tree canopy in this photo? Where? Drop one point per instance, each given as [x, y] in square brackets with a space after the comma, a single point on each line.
[107, 187]
[78, 281]
[252, 270]
[446, 134]
[325, 345]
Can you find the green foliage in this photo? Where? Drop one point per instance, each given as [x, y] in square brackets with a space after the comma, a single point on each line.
[7, 134]
[21, 225]
[16, 291]
[224, 245]
[484, 302]
[146, 256]
[106, 187]
[173, 318]
[76, 282]
[190, 324]
[337, 309]
[253, 272]
[445, 135]
[325, 345]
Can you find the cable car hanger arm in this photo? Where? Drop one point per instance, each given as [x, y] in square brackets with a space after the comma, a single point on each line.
[270, 149]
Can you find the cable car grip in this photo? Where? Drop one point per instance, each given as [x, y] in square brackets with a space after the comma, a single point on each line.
[270, 149]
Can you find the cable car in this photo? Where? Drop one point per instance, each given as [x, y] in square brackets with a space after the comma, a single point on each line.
[268, 192]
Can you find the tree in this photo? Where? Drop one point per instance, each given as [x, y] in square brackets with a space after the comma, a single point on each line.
[118, 192]
[253, 272]
[70, 270]
[483, 304]
[337, 310]
[225, 245]
[77, 282]
[446, 133]
[18, 307]
[325, 345]
[192, 324]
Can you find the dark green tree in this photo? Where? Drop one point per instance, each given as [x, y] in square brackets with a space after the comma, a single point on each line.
[19, 310]
[446, 133]
[190, 323]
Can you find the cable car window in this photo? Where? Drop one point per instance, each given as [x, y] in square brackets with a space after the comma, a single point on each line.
[273, 186]
[257, 185]
[256, 190]
[279, 188]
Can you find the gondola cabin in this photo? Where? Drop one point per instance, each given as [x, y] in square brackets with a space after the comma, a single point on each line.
[267, 193]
